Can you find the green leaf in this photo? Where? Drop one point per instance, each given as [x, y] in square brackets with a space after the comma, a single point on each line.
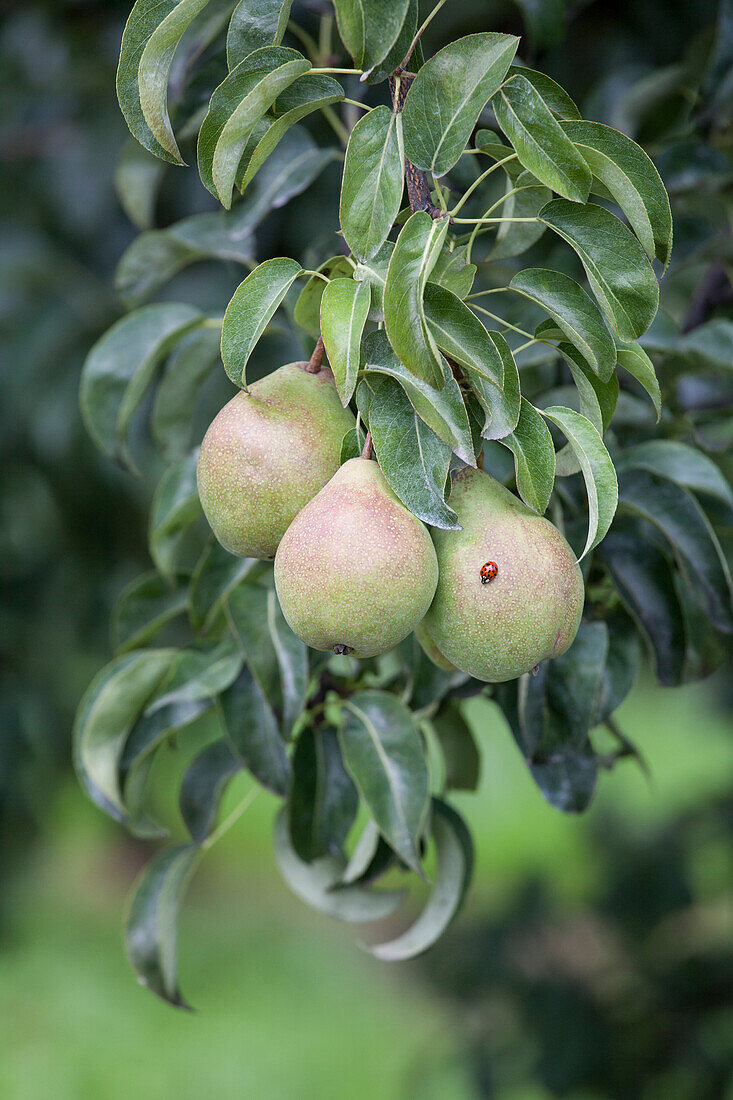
[203, 787]
[291, 168]
[644, 580]
[143, 608]
[138, 176]
[709, 346]
[292, 660]
[318, 884]
[384, 755]
[676, 513]
[458, 332]
[597, 403]
[369, 28]
[616, 265]
[149, 42]
[121, 365]
[323, 800]
[352, 444]
[442, 410]
[637, 363]
[597, 469]
[175, 507]
[448, 95]
[155, 257]
[452, 271]
[539, 140]
[252, 731]
[249, 312]
[622, 663]
[151, 929]
[236, 106]
[374, 272]
[185, 371]
[454, 850]
[373, 181]
[680, 463]
[534, 457]
[106, 715]
[307, 94]
[216, 574]
[502, 411]
[413, 459]
[413, 258]
[489, 142]
[396, 54]
[514, 238]
[574, 312]
[460, 752]
[574, 681]
[344, 312]
[555, 97]
[630, 177]
[307, 310]
[255, 24]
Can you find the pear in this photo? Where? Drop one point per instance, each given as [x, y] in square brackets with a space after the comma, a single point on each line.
[496, 624]
[267, 453]
[355, 572]
[431, 650]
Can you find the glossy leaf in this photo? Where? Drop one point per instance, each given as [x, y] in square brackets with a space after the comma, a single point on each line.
[459, 333]
[442, 410]
[534, 457]
[292, 661]
[372, 186]
[676, 513]
[236, 106]
[307, 94]
[249, 312]
[556, 98]
[643, 577]
[203, 787]
[396, 54]
[369, 29]
[615, 263]
[384, 755]
[630, 177]
[635, 360]
[151, 933]
[253, 734]
[323, 800]
[121, 365]
[412, 458]
[597, 469]
[216, 574]
[454, 850]
[502, 411]
[452, 271]
[138, 176]
[597, 403]
[143, 608]
[413, 258]
[307, 310]
[574, 312]
[539, 140]
[344, 312]
[448, 95]
[186, 370]
[108, 711]
[152, 33]
[175, 506]
[316, 884]
[514, 238]
[374, 272]
[255, 24]
[460, 752]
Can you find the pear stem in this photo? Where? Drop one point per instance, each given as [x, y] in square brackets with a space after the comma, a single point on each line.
[316, 359]
[368, 447]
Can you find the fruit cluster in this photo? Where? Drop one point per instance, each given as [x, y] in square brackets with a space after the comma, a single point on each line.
[355, 570]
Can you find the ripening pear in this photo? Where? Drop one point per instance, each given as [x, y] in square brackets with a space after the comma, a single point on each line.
[355, 572]
[510, 593]
[431, 650]
[267, 453]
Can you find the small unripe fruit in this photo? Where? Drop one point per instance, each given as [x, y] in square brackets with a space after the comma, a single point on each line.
[355, 572]
[267, 453]
[510, 593]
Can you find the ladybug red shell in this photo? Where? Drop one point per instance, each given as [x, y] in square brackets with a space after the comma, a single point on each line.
[489, 571]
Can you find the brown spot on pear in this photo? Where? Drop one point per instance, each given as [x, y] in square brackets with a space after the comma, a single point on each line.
[355, 568]
[530, 612]
[267, 453]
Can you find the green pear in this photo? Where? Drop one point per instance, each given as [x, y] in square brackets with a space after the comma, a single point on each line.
[267, 453]
[355, 572]
[496, 627]
[431, 650]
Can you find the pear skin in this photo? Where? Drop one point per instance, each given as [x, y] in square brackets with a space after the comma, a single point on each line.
[267, 453]
[355, 572]
[431, 650]
[529, 611]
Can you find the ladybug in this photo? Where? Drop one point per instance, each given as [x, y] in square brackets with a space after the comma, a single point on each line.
[489, 571]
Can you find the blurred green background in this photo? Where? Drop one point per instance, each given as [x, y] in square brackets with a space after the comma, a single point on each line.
[594, 958]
